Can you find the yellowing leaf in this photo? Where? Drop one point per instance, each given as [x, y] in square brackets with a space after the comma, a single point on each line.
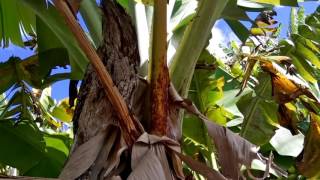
[145, 2]
[288, 117]
[309, 166]
[220, 83]
[284, 89]
[278, 2]
[277, 58]
[63, 112]
[303, 68]
[262, 31]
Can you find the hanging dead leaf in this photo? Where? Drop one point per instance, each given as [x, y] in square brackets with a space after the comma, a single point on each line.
[287, 117]
[149, 159]
[233, 150]
[265, 18]
[84, 156]
[284, 89]
[113, 163]
[153, 164]
[309, 165]
[111, 145]
[263, 24]
[262, 31]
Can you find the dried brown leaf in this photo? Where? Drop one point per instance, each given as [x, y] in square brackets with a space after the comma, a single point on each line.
[177, 165]
[24, 178]
[201, 168]
[99, 163]
[149, 159]
[83, 157]
[153, 164]
[113, 160]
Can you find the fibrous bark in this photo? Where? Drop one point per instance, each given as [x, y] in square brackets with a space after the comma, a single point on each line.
[119, 53]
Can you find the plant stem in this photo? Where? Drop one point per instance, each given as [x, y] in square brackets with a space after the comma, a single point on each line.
[159, 75]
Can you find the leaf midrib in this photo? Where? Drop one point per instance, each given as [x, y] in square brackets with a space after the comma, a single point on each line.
[253, 108]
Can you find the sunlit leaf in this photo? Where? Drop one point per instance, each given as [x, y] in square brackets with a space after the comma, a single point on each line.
[307, 32]
[306, 49]
[302, 66]
[304, 69]
[194, 39]
[277, 59]
[13, 14]
[62, 113]
[253, 5]
[279, 2]
[287, 144]
[262, 31]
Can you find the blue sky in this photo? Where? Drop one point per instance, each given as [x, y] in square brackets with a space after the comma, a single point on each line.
[60, 89]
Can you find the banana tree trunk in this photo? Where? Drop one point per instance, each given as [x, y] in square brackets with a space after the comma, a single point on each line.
[94, 113]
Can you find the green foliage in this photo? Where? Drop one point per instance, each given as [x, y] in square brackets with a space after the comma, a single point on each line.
[13, 13]
[27, 118]
[57, 35]
[53, 20]
[303, 47]
[31, 151]
[92, 17]
[260, 113]
[193, 42]
[239, 29]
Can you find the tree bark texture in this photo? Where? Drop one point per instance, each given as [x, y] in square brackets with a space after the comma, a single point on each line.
[93, 113]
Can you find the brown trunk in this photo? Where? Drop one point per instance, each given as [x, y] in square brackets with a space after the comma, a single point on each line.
[119, 53]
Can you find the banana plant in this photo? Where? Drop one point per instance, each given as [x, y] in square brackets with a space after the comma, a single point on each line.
[267, 92]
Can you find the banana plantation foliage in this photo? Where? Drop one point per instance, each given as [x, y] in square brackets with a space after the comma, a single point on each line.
[148, 99]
